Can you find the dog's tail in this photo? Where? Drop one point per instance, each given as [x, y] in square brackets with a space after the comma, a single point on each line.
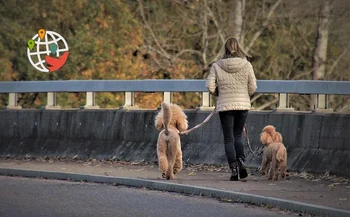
[281, 154]
[167, 116]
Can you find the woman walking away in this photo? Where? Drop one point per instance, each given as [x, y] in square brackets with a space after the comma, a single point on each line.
[232, 80]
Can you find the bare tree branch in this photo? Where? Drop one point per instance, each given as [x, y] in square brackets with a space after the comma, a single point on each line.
[346, 107]
[150, 48]
[302, 37]
[264, 25]
[335, 63]
[267, 104]
[187, 51]
[162, 51]
[257, 96]
[296, 77]
[211, 14]
[216, 43]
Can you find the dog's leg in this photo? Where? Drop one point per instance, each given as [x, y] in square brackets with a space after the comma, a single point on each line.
[163, 164]
[170, 170]
[283, 169]
[284, 165]
[268, 168]
[171, 155]
[264, 164]
[178, 161]
[162, 158]
[271, 172]
[274, 168]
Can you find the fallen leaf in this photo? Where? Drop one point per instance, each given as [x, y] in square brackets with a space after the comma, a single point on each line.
[226, 200]
[331, 186]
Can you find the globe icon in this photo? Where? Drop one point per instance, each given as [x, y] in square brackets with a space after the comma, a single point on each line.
[47, 48]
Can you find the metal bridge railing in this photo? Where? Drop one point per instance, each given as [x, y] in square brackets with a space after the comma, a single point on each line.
[282, 87]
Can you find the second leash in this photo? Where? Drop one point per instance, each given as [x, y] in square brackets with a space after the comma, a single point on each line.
[248, 142]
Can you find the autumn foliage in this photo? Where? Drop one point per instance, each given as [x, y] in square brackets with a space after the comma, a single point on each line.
[160, 39]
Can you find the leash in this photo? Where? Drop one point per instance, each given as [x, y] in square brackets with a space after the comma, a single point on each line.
[199, 125]
[245, 130]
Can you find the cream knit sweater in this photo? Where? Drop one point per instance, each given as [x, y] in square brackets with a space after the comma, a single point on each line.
[235, 82]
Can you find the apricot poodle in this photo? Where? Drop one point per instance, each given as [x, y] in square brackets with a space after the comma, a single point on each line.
[275, 154]
[170, 121]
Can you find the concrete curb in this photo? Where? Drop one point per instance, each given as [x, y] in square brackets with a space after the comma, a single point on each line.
[185, 189]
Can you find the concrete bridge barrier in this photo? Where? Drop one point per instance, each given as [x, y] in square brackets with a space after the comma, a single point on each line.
[316, 142]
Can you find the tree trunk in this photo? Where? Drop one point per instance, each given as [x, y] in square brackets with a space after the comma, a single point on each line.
[321, 41]
[320, 53]
[238, 12]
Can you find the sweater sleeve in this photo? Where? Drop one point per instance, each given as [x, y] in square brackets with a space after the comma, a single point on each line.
[211, 81]
[251, 81]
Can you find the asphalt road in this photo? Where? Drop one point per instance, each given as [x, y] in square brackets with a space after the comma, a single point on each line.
[51, 198]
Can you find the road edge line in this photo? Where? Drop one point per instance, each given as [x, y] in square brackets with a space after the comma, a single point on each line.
[240, 197]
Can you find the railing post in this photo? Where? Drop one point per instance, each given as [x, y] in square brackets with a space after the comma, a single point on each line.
[128, 100]
[90, 101]
[322, 101]
[205, 101]
[13, 102]
[322, 104]
[283, 102]
[167, 97]
[51, 101]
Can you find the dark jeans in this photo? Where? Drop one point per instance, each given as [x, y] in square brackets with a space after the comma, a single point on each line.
[232, 123]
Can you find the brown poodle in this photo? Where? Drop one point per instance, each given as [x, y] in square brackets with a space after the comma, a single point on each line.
[170, 121]
[274, 155]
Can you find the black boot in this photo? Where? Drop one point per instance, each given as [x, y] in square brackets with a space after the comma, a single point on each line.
[242, 169]
[234, 170]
